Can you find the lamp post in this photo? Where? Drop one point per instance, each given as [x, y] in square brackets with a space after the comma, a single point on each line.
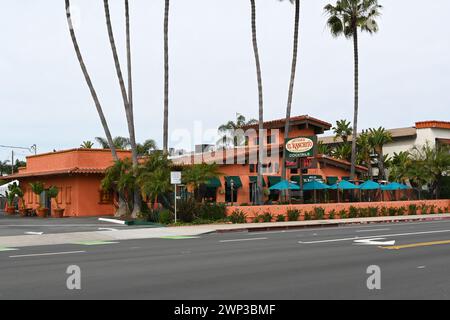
[232, 192]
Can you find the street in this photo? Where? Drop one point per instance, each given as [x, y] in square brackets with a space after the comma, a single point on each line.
[327, 263]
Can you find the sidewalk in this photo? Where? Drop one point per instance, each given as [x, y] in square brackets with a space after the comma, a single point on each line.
[155, 233]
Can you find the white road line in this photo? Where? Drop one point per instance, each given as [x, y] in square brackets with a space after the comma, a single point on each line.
[107, 229]
[237, 240]
[116, 221]
[373, 230]
[34, 233]
[378, 236]
[46, 254]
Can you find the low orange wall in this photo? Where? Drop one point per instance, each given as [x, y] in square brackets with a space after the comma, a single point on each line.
[253, 211]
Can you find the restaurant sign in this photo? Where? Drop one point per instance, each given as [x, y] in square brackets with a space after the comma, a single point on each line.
[301, 147]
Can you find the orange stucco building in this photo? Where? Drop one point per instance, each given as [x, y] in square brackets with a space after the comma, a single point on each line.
[77, 174]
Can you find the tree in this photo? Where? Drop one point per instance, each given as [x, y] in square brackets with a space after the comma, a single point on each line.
[377, 139]
[342, 152]
[125, 97]
[365, 151]
[259, 193]
[400, 167]
[166, 77]
[346, 18]
[144, 149]
[87, 145]
[199, 174]
[292, 82]
[323, 149]
[229, 131]
[342, 130]
[5, 167]
[119, 143]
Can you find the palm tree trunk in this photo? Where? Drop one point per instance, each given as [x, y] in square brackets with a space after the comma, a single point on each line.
[291, 84]
[128, 110]
[381, 173]
[122, 205]
[356, 106]
[166, 77]
[259, 191]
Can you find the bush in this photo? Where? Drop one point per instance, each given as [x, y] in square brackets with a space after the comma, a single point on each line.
[267, 217]
[319, 213]
[281, 218]
[412, 209]
[401, 211]
[165, 216]
[212, 211]
[424, 208]
[332, 215]
[238, 217]
[363, 212]
[433, 209]
[343, 214]
[187, 210]
[258, 219]
[392, 212]
[308, 215]
[293, 214]
[353, 212]
[384, 212]
[373, 212]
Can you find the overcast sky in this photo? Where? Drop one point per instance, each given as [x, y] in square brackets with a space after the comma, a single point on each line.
[404, 69]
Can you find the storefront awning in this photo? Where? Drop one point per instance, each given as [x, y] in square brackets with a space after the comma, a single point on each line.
[236, 180]
[255, 180]
[273, 180]
[307, 178]
[332, 180]
[213, 183]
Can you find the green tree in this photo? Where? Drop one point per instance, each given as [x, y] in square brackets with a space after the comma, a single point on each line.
[401, 166]
[291, 82]
[346, 17]
[87, 145]
[365, 151]
[144, 149]
[377, 139]
[199, 174]
[342, 152]
[342, 130]
[229, 130]
[119, 143]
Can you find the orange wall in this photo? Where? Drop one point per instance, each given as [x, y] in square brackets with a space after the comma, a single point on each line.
[254, 211]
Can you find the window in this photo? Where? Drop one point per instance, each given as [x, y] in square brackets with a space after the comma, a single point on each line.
[252, 168]
[294, 171]
[271, 139]
[256, 141]
[68, 195]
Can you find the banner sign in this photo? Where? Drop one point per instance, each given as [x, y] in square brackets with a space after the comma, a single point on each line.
[302, 147]
[175, 177]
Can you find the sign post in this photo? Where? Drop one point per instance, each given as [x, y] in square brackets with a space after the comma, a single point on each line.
[175, 179]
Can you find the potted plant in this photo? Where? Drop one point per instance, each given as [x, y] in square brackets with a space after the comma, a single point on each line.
[38, 189]
[53, 194]
[10, 197]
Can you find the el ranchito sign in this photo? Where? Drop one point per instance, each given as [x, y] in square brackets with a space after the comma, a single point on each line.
[301, 147]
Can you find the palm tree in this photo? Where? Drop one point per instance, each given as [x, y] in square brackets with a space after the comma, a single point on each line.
[119, 143]
[365, 151]
[401, 163]
[126, 101]
[342, 130]
[345, 18]
[89, 82]
[5, 167]
[342, 152]
[199, 174]
[259, 193]
[228, 131]
[144, 149]
[292, 81]
[87, 145]
[166, 77]
[377, 139]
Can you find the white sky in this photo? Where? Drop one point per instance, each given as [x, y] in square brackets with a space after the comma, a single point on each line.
[44, 100]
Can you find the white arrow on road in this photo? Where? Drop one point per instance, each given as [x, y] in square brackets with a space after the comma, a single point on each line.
[374, 242]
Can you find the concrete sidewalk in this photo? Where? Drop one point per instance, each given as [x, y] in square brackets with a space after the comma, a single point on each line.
[154, 233]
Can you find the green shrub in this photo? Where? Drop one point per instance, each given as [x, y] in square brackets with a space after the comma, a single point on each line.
[373, 212]
[384, 212]
[433, 209]
[281, 218]
[212, 211]
[363, 212]
[319, 213]
[440, 210]
[267, 217]
[258, 219]
[308, 215]
[238, 216]
[401, 211]
[353, 212]
[332, 215]
[165, 216]
[343, 214]
[424, 208]
[392, 211]
[293, 214]
[187, 210]
[412, 209]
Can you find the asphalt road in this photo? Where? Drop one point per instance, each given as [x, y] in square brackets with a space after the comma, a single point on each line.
[294, 264]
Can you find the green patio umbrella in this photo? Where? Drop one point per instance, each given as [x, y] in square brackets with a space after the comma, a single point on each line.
[285, 185]
[368, 185]
[343, 185]
[314, 186]
[394, 186]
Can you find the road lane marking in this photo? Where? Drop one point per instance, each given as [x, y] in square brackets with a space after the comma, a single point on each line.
[417, 245]
[107, 229]
[373, 230]
[34, 233]
[47, 254]
[378, 236]
[374, 242]
[95, 243]
[179, 237]
[239, 240]
[4, 249]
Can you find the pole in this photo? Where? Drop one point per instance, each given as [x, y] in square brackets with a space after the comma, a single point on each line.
[12, 162]
[175, 205]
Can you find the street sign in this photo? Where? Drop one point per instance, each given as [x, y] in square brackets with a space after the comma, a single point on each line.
[175, 177]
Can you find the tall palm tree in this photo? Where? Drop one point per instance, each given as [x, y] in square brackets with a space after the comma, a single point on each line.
[119, 143]
[292, 81]
[228, 130]
[259, 192]
[126, 103]
[87, 145]
[342, 130]
[378, 138]
[166, 77]
[89, 82]
[144, 149]
[346, 18]
[365, 151]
